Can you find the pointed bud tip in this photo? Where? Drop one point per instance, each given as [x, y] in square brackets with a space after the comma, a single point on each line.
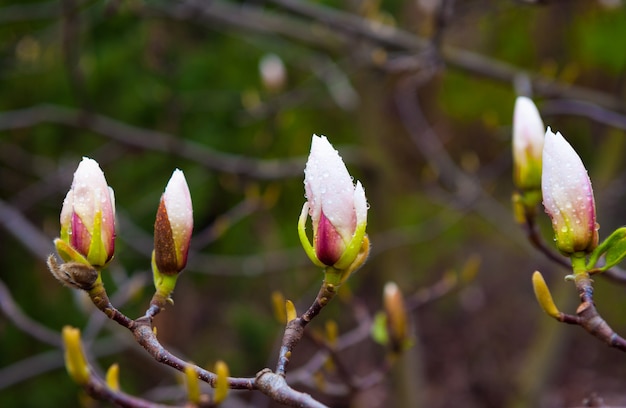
[568, 196]
[543, 295]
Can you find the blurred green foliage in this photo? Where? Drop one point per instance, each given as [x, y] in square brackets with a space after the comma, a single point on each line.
[198, 82]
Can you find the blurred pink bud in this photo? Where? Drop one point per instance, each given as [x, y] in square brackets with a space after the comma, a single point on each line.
[173, 226]
[273, 72]
[568, 197]
[337, 207]
[528, 139]
[88, 216]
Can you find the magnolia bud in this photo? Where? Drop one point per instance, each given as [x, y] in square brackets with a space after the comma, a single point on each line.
[397, 321]
[173, 226]
[528, 139]
[568, 197]
[337, 207]
[88, 218]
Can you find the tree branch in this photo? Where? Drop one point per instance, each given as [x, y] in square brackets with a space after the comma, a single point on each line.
[151, 140]
[588, 317]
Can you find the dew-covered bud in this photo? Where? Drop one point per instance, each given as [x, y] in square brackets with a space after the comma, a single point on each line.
[88, 218]
[568, 196]
[337, 207]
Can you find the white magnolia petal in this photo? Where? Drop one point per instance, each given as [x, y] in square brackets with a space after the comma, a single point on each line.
[567, 194]
[328, 184]
[360, 203]
[179, 207]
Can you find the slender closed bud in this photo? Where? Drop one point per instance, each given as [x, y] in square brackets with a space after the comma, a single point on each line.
[193, 385]
[568, 197]
[397, 321]
[543, 295]
[338, 210]
[113, 377]
[75, 361]
[88, 218]
[290, 311]
[221, 382]
[528, 140]
[173, 226]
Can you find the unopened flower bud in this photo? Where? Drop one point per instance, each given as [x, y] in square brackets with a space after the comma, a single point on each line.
[173, 226]
[397, 322]
[221, 382]
[75, 361]
[528, 139]
[543, 295]
[88, 218]
[273, 72]
[337, 207]
[568, 196]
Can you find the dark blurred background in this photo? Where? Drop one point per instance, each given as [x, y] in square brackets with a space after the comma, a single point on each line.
[418, 98]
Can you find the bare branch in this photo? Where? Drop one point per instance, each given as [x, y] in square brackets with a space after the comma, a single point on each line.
[22, 229]
[277, 388]
[588, 317]
[151, 140]
[98, 388]
[39, 364]
[396, 39]
[12, 311]
[585, 109]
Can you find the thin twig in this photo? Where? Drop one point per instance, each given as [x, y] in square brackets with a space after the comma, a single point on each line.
[396, 39]
[98, 388]
[534, 237]
[342, 370]
[295, 328]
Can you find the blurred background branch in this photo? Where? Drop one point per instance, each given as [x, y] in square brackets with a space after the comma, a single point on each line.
[418, 98]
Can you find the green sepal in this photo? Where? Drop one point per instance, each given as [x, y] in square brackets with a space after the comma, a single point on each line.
[613, 248]
[69, 254]
[164, 284]
[304, 240]
[97, 252]
[353, 248]
[336, 276]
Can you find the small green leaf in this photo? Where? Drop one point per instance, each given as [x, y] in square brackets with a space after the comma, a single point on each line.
[614, 249]
[379, 329]
[615, 254]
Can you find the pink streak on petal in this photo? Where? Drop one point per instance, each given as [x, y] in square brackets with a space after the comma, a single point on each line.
[329, 245]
